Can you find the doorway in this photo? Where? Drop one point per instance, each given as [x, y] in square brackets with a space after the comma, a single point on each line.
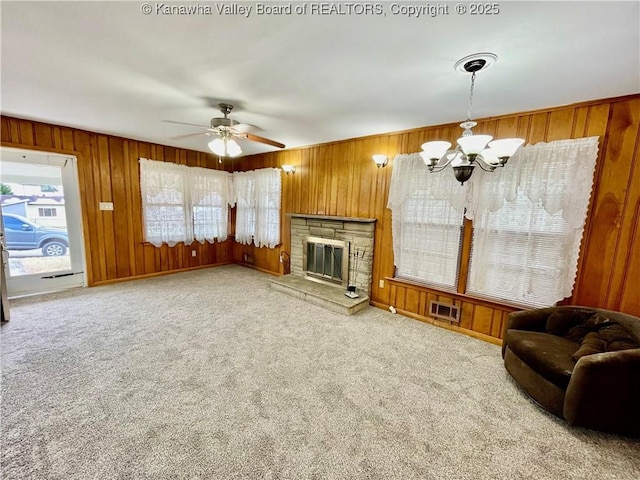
[40, 206]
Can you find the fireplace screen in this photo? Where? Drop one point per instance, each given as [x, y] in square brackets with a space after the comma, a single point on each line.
[326, 260]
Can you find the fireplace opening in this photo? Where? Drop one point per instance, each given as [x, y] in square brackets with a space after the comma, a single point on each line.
[326, 260]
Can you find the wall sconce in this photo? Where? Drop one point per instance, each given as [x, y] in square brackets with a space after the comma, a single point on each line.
[380, 160]
[289, 169]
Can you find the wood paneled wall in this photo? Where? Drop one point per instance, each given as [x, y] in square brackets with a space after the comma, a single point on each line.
[341, 179]
[108, 172]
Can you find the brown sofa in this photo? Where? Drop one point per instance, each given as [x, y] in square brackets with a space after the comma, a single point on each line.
[581, 364]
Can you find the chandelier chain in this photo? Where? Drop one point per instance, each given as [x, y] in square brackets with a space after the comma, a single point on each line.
[473, 81]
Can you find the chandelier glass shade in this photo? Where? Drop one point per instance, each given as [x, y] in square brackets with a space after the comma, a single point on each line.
[471, 150]
[225, 147]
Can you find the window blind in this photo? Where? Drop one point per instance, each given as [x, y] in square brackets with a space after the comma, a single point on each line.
[528, 223]
[426, 223]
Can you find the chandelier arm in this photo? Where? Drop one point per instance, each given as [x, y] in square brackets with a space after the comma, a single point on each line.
[487, 167]
[451, 154]
[439, 168]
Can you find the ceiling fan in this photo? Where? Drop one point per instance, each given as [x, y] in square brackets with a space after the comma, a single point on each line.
[226, 130]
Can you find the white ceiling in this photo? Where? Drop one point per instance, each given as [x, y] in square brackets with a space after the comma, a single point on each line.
[304, 79]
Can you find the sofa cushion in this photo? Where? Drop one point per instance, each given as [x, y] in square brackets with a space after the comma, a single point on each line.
[611, 337]
[592, 324]
[560, 321]
[546, 354]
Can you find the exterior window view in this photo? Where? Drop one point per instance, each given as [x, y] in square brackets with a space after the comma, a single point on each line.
[34, 220]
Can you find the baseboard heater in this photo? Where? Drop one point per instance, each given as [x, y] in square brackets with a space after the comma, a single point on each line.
[444, 311]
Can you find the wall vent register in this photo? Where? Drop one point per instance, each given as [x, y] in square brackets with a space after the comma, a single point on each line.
[444, 311]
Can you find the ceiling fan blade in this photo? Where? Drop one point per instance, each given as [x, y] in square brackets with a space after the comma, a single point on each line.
[245, 127]
[185, 123]
[197, 134]
[256, 138]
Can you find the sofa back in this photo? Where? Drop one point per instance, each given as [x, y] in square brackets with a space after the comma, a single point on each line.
[629, 322]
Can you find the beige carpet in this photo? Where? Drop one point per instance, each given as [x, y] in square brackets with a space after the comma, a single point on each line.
[211, 374]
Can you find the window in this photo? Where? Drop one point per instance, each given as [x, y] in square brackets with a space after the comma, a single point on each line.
[258, 195]
[164, 203]
[181, 204]
[527, 223]
[427, 228]
[431, 246]
[211, 191]
[519, 253]
[47, 212]
[244, 184]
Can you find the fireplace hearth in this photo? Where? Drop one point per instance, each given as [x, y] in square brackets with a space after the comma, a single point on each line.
[336, 253]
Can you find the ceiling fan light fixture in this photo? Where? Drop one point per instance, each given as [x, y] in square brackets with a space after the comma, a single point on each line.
[233, 149]
[225, 147]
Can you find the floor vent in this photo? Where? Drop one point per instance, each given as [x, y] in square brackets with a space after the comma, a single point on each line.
[444, 311]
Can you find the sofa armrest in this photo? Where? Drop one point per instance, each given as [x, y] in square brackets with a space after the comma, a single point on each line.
[604, 392]
[532, 320]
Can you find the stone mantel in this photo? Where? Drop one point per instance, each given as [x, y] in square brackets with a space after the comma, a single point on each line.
[331, 218]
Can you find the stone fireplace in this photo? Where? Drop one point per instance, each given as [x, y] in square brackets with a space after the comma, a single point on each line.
[329, 254]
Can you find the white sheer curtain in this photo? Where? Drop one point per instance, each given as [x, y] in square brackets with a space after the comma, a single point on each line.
[164, 199]
[244, 185]
[181, 203]
[528, 222]
[427, 213]
[257, 196]
[211, 195]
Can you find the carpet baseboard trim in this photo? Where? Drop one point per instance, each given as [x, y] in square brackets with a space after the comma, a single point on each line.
[260, 269]
[156, 274]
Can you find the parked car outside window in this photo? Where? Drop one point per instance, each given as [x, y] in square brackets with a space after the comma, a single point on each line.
[23, 234]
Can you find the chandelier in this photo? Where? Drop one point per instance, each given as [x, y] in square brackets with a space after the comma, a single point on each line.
[471, 150]
[224, 145]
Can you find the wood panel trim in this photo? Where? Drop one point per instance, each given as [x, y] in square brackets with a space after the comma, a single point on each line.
[437, 323]
[485, 302]
[53, 149]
